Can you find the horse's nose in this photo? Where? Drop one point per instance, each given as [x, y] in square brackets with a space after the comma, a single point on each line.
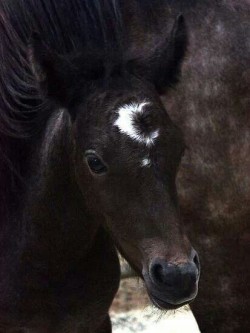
[177, 282]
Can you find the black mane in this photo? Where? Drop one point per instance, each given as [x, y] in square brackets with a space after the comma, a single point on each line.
[66, 27]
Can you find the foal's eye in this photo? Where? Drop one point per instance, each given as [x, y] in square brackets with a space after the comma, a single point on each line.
[95, 164]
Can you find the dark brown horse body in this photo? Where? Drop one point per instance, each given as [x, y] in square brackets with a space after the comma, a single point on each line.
[98, 167]
[211, 105]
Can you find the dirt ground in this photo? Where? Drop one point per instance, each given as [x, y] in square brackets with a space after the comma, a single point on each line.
[131, 296]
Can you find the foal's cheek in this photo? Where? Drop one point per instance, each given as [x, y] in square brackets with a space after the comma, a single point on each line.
[86, 184]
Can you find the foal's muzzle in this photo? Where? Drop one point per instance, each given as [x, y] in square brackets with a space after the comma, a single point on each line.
[171, 284]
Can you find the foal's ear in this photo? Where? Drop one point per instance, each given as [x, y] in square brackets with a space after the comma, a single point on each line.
[162, 66]
[52, 72]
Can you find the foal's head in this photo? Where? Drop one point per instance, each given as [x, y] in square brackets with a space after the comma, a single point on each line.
[127, 155]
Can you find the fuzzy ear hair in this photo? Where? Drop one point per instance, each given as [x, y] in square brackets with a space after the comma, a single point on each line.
[62, 78]
[52, 72]
[162, 66]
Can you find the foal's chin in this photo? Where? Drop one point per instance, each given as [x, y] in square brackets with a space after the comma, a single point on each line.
[165, 304]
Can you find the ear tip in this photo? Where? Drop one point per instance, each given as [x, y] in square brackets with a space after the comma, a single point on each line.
[180, 18]
[180, 21]
[180, 30]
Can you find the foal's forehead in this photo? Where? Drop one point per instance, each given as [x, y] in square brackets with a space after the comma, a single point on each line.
[134, 120]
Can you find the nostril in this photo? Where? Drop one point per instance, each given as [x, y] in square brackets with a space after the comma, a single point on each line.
[157, 273]
[163, 273]
[196, 261]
